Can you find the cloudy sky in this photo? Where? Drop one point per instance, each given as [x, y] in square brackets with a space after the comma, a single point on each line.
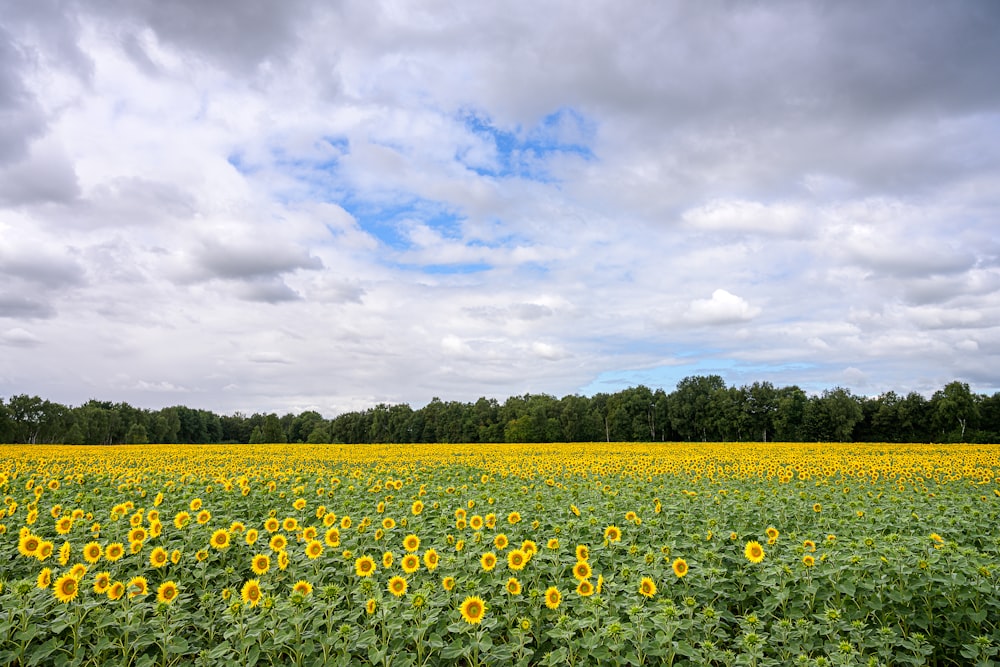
[279, 206]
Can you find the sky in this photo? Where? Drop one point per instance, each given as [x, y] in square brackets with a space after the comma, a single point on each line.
[245, 205]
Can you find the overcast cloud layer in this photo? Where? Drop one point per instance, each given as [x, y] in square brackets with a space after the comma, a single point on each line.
[279, 206]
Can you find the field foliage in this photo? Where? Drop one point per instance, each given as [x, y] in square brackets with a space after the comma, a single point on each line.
[706, 554]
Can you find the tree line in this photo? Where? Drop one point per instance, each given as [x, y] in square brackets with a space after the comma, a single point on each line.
[701, 408]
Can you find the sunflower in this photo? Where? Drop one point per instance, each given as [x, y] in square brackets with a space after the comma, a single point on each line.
[78, 571]
[584, 588]
[309, 533]
[44, 579]
[135, 547]
[302, 587]
[283, 560]
[63, 526]
[552, 544]
[582, 570]
[102, 581]
[299, 504]
[137, 586]
[552, 597]
[431, 560]
[158, 557]
[513, 586]
[500, 541]
[114, 551]
[809, 545]
[529, 548]
[460, 524]
[582, 552]
[613, 534]
[167, 592]
[513, 517]
[516, 559]
[250, 593]
[137, 534]
[397, 586]
[251, 537]
[472, 609]
[203, 517]
[290, 524]
[370, 605]
[28, 545]
[488, 561]
[817, 508]
[278, 542]
[364, 566]
[754, 552]
[476, 522]
[45, 550]
[201, 555]
[220, 539]
[387, 559]
[345, 523]
[808, 560]
[410, 563]
[195, 504]
[92, 552]
[772, 533]
[332, 537]
[66, 588]
[260, 564]
[272, 525]
[680, 567]
[448, 583]
[411, 543]
[314, 549]
[388, 523]
[417, 507]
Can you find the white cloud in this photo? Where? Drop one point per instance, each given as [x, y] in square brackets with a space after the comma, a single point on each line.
[722, 308]
[332, 207]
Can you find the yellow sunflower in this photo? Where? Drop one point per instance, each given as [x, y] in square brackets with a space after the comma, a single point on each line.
[448, 583]
[397, 586]
[278, 542]
[137, 586]
[116, 591]
[647, 587]
[584, 588]
[167, 592]
[314, 549]
[220, 539]
[754, 552]
[114, 551]
[410, 563]
[680, 567]
[411, 543]
[488, 561]
[431, 560]
[364, 566]
[513, 586]
[44, 579]
[613, 534]
[158, 557]
[251, 593]
[92, 552]
[260, 564]
[516, 559]
[552, 597]
[500, 541]
[473, 609]
[302, 587]
[66, 588]
[581, 570]
[102, 581]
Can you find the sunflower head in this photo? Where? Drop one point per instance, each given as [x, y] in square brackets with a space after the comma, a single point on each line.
[473, 609]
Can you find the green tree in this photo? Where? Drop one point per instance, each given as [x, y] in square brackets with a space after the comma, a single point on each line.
[272, 431]
[954, 409]
[136, 435]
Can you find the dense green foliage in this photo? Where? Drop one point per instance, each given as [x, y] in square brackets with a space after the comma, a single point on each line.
[701, 408]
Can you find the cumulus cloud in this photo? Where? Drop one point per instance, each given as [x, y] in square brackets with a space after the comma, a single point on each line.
[722, 308]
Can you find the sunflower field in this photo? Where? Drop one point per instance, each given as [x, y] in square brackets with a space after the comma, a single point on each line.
[618, 554]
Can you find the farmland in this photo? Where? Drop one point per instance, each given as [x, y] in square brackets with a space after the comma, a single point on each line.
[718, 553]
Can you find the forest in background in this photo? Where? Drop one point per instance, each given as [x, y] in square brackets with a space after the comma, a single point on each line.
[701, 408]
